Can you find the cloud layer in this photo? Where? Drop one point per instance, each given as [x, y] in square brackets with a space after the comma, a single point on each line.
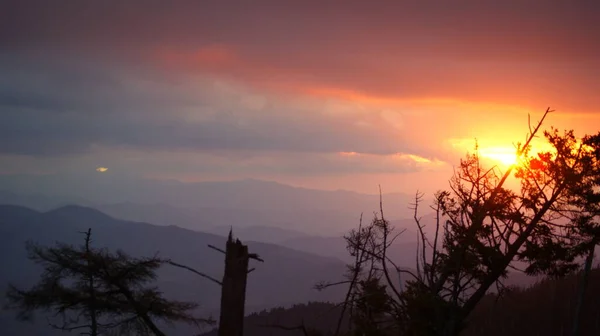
[67, 110]
[521, 52]
[271, 87]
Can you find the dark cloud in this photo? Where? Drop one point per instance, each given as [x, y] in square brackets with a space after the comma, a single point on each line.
[522, 52]
[474, 29]
[88, 73]
[69, 112]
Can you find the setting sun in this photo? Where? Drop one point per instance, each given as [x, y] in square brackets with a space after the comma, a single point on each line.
[505, 156]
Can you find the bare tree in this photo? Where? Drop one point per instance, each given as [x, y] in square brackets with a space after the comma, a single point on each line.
[488, 227]
[482, 228]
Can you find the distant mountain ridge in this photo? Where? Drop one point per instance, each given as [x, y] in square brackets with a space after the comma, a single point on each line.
[287, 276]
[205, 205]
[40, 202]
[239, 194]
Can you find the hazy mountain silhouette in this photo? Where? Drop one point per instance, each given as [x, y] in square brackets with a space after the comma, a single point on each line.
[286, 277]
[38, 201]
[252, 224]
[261, 233]
[402, 251]
[199, 205]
[313, 231]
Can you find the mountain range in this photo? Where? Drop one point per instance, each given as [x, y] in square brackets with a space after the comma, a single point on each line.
[298, 232]
[287, 276]
[200, 205]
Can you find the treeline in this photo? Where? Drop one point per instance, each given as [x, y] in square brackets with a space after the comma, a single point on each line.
[545, 308]
[548, 309]
[317, 318]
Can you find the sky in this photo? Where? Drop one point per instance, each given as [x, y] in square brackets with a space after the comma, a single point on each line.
[319, 94]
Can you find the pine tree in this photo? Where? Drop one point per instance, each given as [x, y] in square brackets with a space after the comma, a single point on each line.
[99, 292]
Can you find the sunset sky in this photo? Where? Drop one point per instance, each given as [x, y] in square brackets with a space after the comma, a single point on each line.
[320, 94]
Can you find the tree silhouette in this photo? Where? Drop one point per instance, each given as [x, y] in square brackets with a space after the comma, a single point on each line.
[546, 308]
[482, 228]
[98, 292]
[488, 227]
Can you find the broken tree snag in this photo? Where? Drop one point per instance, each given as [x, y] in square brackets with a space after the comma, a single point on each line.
[233, 290]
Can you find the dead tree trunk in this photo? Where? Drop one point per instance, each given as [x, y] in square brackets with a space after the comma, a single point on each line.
[233, 288]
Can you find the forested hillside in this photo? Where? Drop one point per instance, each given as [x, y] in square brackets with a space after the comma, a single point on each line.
[545, 308]
[314, 316]
[548, 308]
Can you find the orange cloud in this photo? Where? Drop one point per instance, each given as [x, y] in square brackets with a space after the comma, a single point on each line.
[211, 57]
[426, 82]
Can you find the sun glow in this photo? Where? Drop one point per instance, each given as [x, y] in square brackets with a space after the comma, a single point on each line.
[497, 153]
[506, 156]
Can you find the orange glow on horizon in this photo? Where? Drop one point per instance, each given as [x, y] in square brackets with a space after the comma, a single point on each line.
[503, 155]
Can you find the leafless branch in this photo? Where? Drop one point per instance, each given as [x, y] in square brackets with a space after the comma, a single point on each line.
[216, 248]
[324, 285]
[384, 252]
[172, 263]
[255, 257]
